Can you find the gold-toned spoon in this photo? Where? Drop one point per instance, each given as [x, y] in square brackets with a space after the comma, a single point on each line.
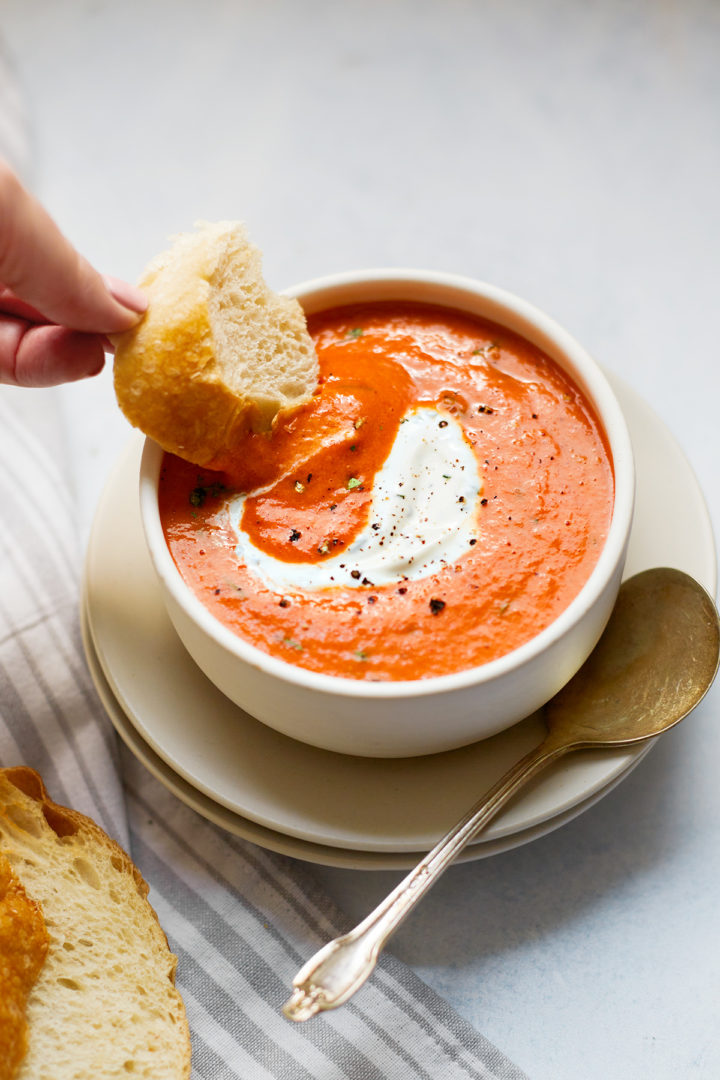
[654, 662]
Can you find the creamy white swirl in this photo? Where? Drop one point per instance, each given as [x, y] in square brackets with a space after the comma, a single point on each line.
[423, 516]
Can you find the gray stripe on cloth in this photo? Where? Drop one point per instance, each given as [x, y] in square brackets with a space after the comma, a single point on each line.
[28, 744]
[321, 917]
[48, 704]
[49, 526]
[45, 652]
[66, 730]
[218, 1060]
[21, 411]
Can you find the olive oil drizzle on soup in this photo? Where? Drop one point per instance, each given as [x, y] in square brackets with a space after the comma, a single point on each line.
[349, 544]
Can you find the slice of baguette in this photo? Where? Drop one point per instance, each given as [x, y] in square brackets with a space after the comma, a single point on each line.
[104, 1003]
[217, 353]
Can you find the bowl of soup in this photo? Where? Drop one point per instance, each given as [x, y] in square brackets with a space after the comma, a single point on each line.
[425, 553]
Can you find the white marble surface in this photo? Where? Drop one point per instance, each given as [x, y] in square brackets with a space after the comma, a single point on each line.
[569, 152]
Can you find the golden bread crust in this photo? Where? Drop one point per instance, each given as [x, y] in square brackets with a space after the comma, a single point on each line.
[217, 352]
[23, 947]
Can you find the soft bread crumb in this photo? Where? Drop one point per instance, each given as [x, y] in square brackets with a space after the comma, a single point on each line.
[217, 353]
[104, 1003]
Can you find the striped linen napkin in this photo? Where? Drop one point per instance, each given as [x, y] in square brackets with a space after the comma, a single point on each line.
[240, 919]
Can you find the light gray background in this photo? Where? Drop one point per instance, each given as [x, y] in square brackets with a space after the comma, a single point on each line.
[569, 152]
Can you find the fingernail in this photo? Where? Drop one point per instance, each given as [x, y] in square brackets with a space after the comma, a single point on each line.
[126, 294]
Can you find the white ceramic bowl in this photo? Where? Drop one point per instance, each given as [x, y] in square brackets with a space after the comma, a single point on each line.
[401, 719]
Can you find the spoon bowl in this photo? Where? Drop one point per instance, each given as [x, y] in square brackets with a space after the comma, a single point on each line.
[654, 663]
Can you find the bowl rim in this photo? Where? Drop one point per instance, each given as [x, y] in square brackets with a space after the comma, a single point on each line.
[593, 383]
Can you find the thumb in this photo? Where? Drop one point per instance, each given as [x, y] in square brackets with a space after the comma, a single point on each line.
[42, 268]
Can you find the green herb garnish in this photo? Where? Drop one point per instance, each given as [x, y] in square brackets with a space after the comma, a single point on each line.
[199, 494]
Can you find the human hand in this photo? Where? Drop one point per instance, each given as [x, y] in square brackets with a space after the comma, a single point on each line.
[55, 310]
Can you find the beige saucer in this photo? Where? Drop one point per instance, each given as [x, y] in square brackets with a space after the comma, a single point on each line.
[290, 845]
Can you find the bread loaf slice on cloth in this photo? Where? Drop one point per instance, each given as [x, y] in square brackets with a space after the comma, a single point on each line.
[103, 1004]
[217, 353]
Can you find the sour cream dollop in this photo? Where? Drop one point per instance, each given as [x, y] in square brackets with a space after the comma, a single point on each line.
[423, 516]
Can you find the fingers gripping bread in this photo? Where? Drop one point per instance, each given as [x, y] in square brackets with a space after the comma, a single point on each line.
[217, 353]
[104, 1003]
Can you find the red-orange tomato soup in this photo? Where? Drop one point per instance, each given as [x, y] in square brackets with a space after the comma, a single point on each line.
[535, 523]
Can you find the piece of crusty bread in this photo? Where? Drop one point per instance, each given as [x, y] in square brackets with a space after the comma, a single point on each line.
[217, 353]
[104, 1003]
[23, 948]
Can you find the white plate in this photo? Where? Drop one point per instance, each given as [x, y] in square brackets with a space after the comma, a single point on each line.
[345, 858]
[388, 807]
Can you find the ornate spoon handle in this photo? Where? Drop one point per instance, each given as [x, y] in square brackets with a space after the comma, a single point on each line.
[654, 662]
[341, 967]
